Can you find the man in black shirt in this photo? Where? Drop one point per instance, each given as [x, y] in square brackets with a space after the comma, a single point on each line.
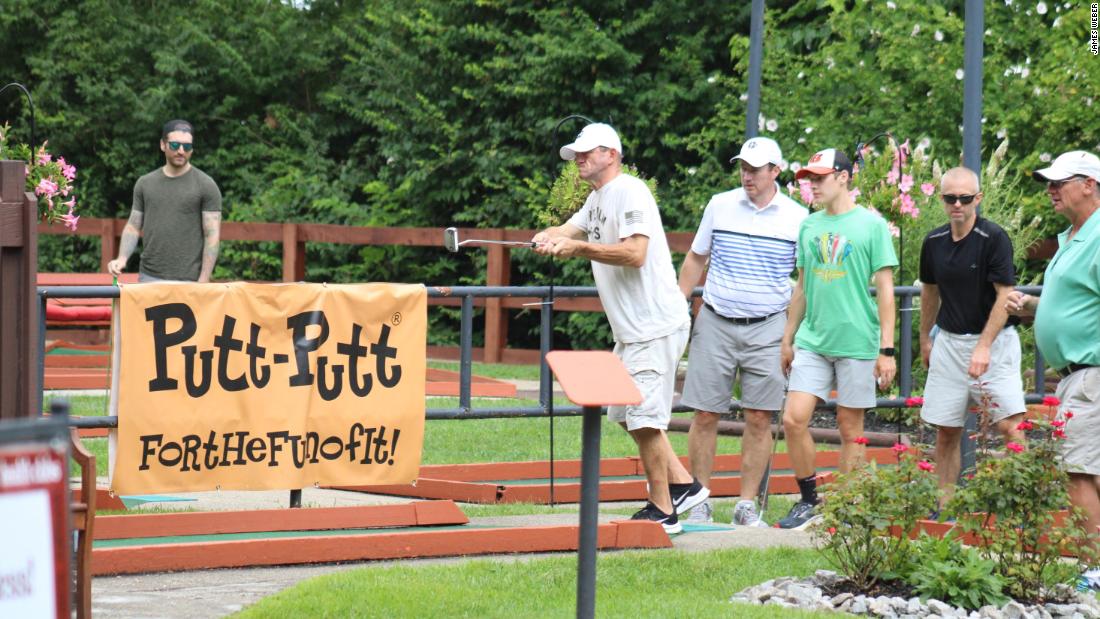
[966, 274]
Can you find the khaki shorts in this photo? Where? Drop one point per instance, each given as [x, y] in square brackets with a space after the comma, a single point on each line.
[949, 391]
[853, 379]
[1080, 394]
[720, 350]
[652, 365]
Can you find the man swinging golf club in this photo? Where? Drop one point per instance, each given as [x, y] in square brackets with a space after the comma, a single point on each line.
[619, 229]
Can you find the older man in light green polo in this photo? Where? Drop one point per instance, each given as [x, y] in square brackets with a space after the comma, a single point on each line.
[1067, 328]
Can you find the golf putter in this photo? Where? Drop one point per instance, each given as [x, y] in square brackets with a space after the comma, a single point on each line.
[452, 242]
[762, 494]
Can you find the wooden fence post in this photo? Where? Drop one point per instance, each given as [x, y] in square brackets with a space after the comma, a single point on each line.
[18, 295]
[294, 255]
[496, 317]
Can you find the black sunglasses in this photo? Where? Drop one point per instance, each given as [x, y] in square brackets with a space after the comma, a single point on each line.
[173, 146]
[1058, 184]
[965, 199]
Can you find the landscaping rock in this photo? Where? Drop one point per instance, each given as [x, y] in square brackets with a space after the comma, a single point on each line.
[941, 608]
[808, 594]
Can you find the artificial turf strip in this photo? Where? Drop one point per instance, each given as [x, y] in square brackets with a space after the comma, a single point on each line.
[628, 584]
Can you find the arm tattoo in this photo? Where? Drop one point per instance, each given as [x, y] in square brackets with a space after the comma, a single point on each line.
[211, 235]
[130, 234]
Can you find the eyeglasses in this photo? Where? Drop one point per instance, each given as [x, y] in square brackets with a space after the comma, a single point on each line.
[964, 199]
[1058, 184]
[174, 146]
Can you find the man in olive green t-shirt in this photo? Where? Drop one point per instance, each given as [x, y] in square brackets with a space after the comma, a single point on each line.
[177, 208]
[845, 339]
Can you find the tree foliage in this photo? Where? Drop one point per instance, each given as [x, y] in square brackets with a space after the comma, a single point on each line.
[442, 112]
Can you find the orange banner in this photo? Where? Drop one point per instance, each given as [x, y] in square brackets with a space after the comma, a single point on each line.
[269, 386]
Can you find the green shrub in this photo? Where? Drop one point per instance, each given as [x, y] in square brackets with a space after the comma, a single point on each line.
[944, 569]
[1008, 505]
[866, 509]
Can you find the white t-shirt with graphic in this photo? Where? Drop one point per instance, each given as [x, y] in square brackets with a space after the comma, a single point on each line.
[641, 303]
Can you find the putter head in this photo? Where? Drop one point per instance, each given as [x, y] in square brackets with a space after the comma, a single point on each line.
[450, 239]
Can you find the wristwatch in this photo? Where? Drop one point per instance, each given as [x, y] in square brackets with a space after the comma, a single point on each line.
[889, 352]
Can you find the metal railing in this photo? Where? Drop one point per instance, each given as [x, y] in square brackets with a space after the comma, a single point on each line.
[467, 294]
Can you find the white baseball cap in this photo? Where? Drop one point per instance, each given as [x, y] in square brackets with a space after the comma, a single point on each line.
[759, 151]
[592, 136]
[1073, 163]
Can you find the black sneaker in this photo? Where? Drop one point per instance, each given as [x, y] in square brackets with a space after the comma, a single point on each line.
[670, 522]
[801, 516]
[688, 496]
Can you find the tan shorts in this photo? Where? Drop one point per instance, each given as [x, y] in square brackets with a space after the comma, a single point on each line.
[949, 391]
[652, 365]
[1080, 394]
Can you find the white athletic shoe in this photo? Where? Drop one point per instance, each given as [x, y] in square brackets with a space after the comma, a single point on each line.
[700, 514]
[744, 514]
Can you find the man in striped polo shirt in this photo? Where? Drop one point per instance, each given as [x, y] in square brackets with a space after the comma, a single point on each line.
[750, 236]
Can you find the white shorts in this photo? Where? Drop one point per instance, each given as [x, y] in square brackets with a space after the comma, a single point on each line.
[1080, 394]
[949, 391]
[853, 379]
[652, 366]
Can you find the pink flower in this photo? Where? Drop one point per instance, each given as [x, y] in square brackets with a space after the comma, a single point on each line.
[906, 183]
[927, 189]
[67, 170]
[70, 221]
[43, 157]
[907, 205]
[804, 189]
[860, 440]
[1025, 425]
[1059, 433]
[1051, 401]
[899, 448]
[1069, 415]
[832, 530]
[892, 177]
[914, 401]
[1014, 447]
[925, 465]
[855, 193]
[1058, 424]
[45, 187]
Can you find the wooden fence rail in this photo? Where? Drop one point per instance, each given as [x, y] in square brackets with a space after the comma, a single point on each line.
[294, 237]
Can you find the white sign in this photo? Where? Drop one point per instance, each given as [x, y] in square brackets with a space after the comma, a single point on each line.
[26, 563]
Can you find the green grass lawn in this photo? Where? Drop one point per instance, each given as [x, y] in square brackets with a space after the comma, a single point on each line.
[665, 583]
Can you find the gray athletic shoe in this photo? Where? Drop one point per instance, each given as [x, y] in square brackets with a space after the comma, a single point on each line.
[701, 514]
[801, 516]
[744, 514]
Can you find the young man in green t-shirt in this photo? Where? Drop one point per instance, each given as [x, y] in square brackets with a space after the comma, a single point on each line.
[842, 342]
[178, 210]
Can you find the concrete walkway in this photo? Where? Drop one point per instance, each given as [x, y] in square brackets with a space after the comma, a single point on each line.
[216, 593]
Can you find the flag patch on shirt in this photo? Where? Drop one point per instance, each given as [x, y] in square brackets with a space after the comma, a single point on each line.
[634, 217]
